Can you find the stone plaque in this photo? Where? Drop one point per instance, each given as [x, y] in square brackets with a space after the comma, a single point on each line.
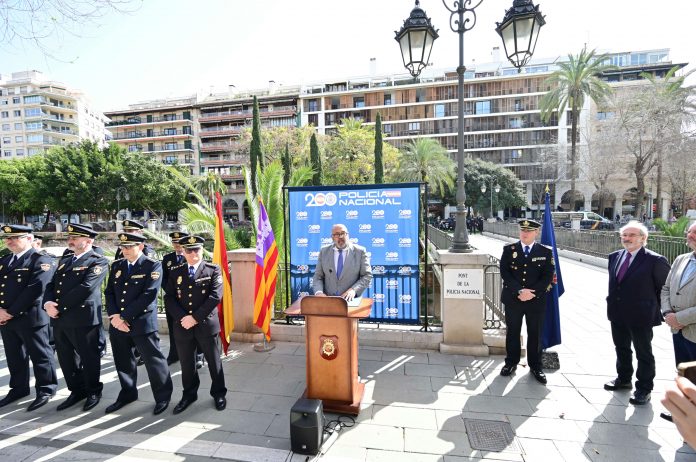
[463, 283]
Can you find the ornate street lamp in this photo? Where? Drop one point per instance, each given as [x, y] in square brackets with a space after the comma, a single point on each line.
[415, 51]
[496, 188]
[416, 39]
[125, 196]
[520, 31]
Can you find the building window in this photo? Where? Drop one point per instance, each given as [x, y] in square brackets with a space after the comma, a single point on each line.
[420, 95]
[33, 151]
[439, 110]
[187, 130]
[170, 131]
[17, 113]
[169, 117]
[8, 153]
[34, 139]
[4, 114]
[15, 100]
[359, 101]
[170, 146]
[32, 99]
[134, 148]
[387, 129]
[312, 105]
[413, 126]
[4, 102]
[483, 107]
[20, 152]
[6, 140]
[515, 122]
[6, 127]
[602, 115]
[32, 125]
[18, 125]
[32, 112]
[18, 139]
[170, 160]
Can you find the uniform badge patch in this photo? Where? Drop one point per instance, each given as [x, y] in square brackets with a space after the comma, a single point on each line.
[155, 275]
[61, 266]
[169, 263]
[118, 274]
[179, 279]
[97, 270]
[45, 266]
[514, 254]
[219, 280]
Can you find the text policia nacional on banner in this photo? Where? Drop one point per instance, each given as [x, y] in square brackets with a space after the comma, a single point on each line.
[382, 218]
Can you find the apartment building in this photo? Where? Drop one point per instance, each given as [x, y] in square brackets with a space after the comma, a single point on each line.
[37, 113]
[501, 115]
[204, 133]
[163, 128]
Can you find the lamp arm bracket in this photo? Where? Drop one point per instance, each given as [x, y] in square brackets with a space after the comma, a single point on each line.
[462, 15]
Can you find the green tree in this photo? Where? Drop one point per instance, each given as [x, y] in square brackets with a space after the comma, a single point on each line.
[379, 163]
[676, 229]
[576, 80]
[315, 159]
[287, 165]
[427, 161]
[255, 154]
[209, 184]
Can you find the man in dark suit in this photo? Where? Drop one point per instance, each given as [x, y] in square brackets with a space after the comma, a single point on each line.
[23, 323]
[636, 277]
[170, 261]
[73, 300]
[131, 303]
[193, 293]
[343, 268]
[527, 269]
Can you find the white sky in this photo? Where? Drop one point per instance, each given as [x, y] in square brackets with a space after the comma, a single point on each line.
[176, 47]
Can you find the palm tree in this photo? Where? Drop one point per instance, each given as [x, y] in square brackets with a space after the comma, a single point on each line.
[209, 184]
[575, 81]
[426, 160]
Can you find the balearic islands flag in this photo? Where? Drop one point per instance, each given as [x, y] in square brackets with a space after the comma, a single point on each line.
[266, 273]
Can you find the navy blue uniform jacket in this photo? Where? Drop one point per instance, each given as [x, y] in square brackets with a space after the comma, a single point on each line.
[134, 295]
[198, 297]
[519, 272]
[635, 301]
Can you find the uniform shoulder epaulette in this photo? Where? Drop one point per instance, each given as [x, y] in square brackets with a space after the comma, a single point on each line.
[211, 265]
[117, 260]
[510, 245]
[154, 260]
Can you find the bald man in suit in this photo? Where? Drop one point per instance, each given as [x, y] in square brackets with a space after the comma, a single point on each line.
[343, 269]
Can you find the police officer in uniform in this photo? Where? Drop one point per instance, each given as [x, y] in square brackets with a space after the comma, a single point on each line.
[135, 227]
[170, 261]
[131, 303]
[24, 274]
[527, 269]
[193, 293]
[73, 300]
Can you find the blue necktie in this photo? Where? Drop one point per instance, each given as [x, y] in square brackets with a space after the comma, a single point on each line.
[14, 260]
[526, 250]
[179, 259]
[192, 272]
[339, 265]
[130, 268]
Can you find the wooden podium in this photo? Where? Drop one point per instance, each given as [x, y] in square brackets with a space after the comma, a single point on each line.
[331, 340]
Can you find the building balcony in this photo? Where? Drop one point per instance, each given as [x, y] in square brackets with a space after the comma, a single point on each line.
[185, 161]
[58, 106]
[61, 132]
[167, 134]
[137, 120]
[226, 161]
[217, 132]
[232, 176]
[281, 111]
[55, 118]
[216, 147]
[168, 149]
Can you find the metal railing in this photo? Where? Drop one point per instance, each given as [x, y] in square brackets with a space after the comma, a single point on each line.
[493, 308]
[439, 238]
[597, 243]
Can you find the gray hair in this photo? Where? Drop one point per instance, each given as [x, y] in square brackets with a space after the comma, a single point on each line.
[636, 225]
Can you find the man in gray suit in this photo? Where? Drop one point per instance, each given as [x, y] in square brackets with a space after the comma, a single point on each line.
[679, 303]
[343, 269]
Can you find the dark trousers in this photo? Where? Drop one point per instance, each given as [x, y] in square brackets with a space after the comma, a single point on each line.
[173, 355]
[641, 338]
[22, 345]
[534, 315]
[83, 341]
[684, 349]
[123, 346]
[187, 341]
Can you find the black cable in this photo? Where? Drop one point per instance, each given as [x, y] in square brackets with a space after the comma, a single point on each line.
[336, 425]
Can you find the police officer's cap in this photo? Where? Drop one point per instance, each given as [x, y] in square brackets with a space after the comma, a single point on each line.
[176, 235]
[132, 225]
[15, 230]
[75, 229]
[130, 239]
[529, 225]
[38, 237]
[192, 242]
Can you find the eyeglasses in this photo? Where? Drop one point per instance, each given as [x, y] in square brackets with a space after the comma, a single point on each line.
[192, 250]
[339, 234]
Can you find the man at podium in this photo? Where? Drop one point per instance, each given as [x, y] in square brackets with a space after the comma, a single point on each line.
[343, 268]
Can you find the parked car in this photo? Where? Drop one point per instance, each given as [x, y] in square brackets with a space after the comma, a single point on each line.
[448, 224]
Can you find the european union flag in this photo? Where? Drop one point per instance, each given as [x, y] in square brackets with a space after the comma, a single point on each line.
[551, 332]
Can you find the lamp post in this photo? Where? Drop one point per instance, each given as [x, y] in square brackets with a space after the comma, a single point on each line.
[126, 196]
[519, 31]
[497, 190]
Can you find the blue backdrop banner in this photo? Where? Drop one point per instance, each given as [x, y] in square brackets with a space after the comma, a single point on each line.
[382, 218]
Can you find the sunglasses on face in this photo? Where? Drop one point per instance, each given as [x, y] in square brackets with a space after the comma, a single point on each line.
[191, 250]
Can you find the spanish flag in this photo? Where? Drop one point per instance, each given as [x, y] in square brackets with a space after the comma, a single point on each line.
[225, 308]
[266, 273]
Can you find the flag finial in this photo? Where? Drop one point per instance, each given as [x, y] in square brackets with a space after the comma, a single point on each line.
[547, 188]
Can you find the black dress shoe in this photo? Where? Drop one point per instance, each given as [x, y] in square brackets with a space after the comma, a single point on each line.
[507, 370]
[640, 397]
[74, 398]
[199, 363]
[92, 400]
[116, 406]
[667, 416]
[220, 403]
[38, 402]
[539, 375]
[183, 404]
[102, 353]
[12, 397]
[617, 384]
[160, 406]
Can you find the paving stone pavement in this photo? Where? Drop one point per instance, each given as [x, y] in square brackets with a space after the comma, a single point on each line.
[414, 406]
